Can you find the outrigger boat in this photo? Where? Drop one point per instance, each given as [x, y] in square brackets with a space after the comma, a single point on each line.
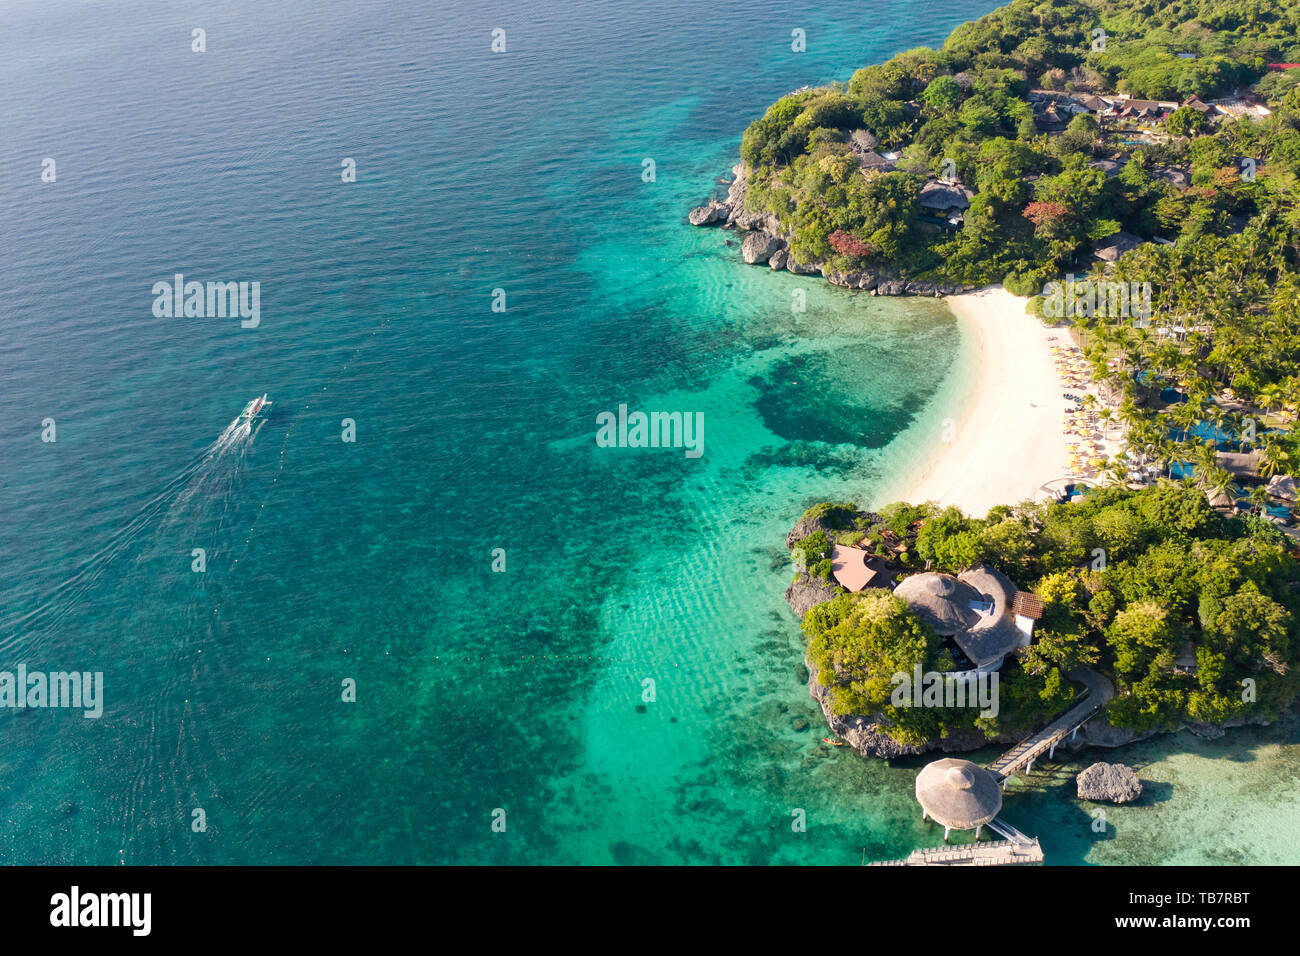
[253, 409]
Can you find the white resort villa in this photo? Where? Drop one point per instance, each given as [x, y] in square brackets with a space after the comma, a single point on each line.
[980, 610]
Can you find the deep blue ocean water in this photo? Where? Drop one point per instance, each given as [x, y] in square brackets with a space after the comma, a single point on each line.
[521, 691]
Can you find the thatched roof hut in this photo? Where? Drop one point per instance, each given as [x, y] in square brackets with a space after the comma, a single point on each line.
[1220, 499]
[1240, 464]
[940, 600]
[1173, 175]
[944, 197]
[1111, 167]
[991, 584]
[1114, 247]
[1283, 487]
[957, 794]
[975, 609]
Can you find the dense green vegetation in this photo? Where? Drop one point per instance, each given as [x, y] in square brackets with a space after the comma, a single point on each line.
[1039, 207]
[1192, 614]
[812, 554]
[1235, 365]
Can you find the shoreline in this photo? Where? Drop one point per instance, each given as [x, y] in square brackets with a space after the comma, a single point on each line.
[1008, 441]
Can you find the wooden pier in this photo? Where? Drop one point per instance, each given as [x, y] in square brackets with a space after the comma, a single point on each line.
[1016, 850]
[1022, 755]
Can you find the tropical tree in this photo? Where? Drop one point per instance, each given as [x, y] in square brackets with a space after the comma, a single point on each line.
[1274, 459]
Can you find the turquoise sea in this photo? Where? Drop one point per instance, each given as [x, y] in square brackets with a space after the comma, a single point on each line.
[518, 695]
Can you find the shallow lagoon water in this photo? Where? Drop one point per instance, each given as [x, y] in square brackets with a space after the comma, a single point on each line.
[521, 690]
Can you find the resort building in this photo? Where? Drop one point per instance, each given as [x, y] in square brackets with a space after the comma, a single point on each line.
[1129, 108]
[1052, 106]
[863, 144]
[1095, 105]
[855, 569]
[946, 202]
[980, 610]
[1239, 107]
[1174, 175]
[1111, 167]
[1111, 249]
[957, 794]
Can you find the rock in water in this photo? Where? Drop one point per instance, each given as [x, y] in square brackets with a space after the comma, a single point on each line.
[778, 259]
[1114, 782]
[709, 214]
[758, 247]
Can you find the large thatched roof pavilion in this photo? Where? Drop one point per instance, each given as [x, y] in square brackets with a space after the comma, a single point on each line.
[957, 794]
[975, 609]
[941, 600]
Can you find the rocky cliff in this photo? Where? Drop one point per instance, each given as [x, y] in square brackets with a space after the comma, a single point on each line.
[866, 732]
[766, 244]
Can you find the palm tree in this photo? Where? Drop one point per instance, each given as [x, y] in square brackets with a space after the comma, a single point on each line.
[1117, 469]
[1185, 415]
[1220, 482]
[1215, 415]
[1206, 460]
[1272, 397]
[1259, 498]
[1274, 459]
[1166, 453]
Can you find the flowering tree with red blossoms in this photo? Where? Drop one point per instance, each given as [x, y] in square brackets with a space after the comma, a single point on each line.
[847, 244]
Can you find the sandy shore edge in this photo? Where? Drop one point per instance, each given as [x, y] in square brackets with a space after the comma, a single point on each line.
[1007, 441]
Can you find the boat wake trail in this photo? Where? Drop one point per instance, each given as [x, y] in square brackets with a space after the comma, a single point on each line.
[188, 508]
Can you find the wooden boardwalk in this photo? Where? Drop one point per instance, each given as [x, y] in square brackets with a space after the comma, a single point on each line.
[991, 853]
[1015, 850]
[1022, 755]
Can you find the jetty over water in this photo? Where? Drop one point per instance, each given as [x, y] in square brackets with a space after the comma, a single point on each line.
[962, 796]
[1098, 693]
[1015, 850]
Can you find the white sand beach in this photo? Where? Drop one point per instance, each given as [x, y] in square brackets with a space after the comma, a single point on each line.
[1008, 441]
